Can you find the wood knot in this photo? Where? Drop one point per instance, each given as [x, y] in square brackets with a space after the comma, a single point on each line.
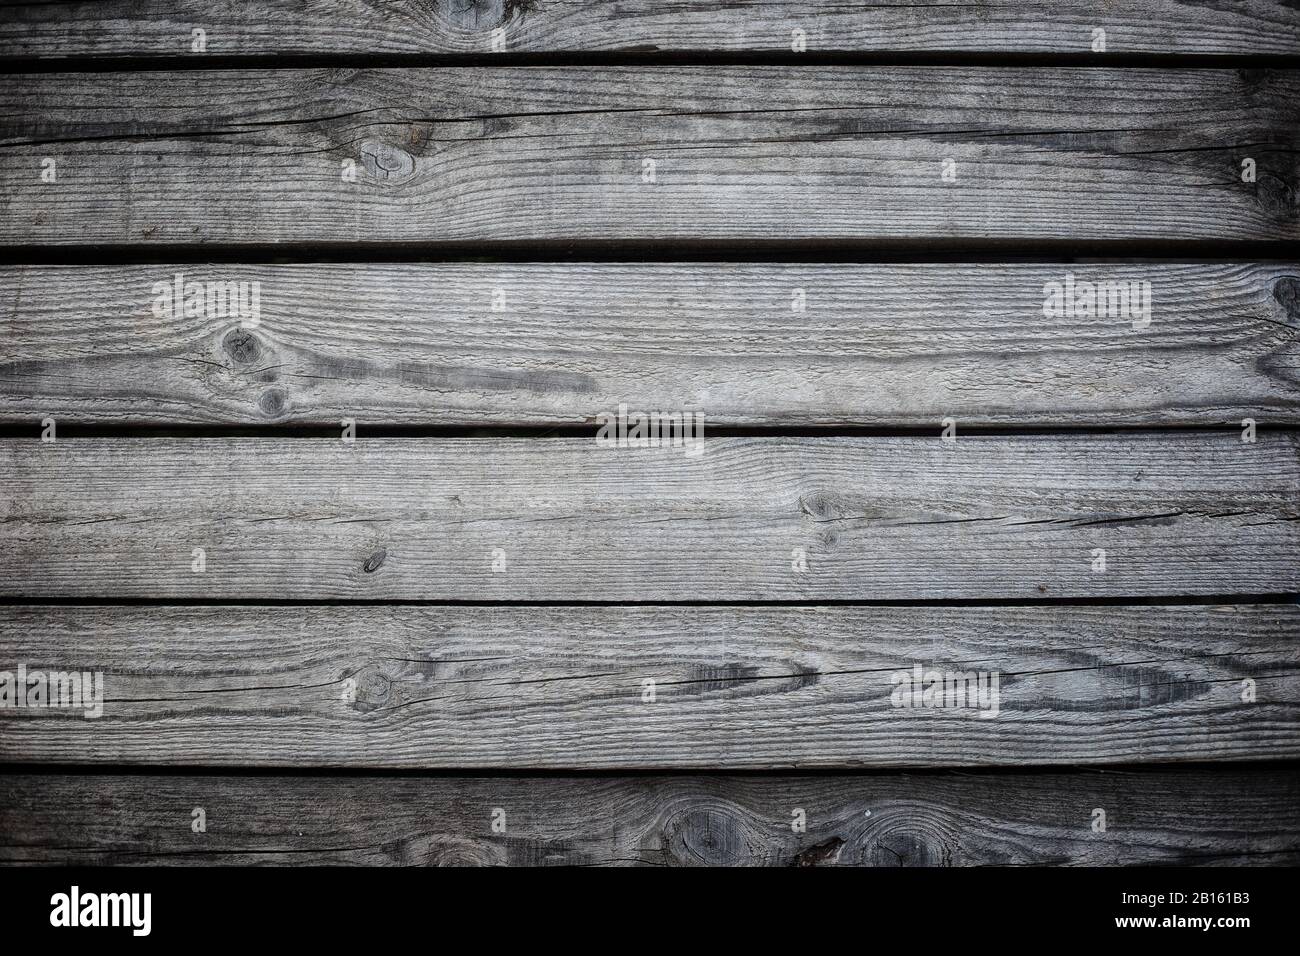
[480, 15]
[273, 402]
[916, 836]
[387, 163]
[374, 561]
[1254, 77]
[453, 851]
[1287, 293]
[815, 506]
[520, 8]
[373, 688]
[242, 346]
[710, 836]
[1277, 196]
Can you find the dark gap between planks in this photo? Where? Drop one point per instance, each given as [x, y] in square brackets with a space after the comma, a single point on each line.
[965, 251]
[70, 428]
[1160, 600]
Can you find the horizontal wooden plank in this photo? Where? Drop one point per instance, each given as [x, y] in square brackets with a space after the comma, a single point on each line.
[1191, 817]
[157, 28]
[558, 344]
[733, 687]
[836, 153]
[896, 518]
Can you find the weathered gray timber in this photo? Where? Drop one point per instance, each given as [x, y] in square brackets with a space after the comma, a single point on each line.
[926, 651]
[1227, 817]
[559, 343]
[519, 519]
[666, 154]
[658, 687]
[157, 28]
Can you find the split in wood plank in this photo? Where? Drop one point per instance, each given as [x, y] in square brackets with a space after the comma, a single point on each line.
[544, 344]
[613, 687]
[652, 154]
[279, 27]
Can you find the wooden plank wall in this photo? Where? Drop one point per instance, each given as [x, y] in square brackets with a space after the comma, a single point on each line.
[312, 318]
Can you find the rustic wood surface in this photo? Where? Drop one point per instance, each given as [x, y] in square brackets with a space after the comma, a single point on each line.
[734, 687]
[1225, 817]
[567, 619]
[157, 28]
[416, 343]
[741, 154]
[899, 518]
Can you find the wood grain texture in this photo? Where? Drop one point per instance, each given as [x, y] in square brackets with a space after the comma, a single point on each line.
[1189, 817]
[411, 343]
[742, 154]
[157, 28]
[899, 518]
[734, 687]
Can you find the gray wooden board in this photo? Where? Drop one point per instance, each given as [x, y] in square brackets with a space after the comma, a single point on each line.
[740, 153]
[560, 343]
[899, 518]
[1226, 817]
[157, 28]
[733, 687]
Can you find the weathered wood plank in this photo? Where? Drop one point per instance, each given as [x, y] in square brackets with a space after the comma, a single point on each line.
[877, 518]
[520, 155]
[565, 687]
[1191, 817]
[157, 28]
[558, 344]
